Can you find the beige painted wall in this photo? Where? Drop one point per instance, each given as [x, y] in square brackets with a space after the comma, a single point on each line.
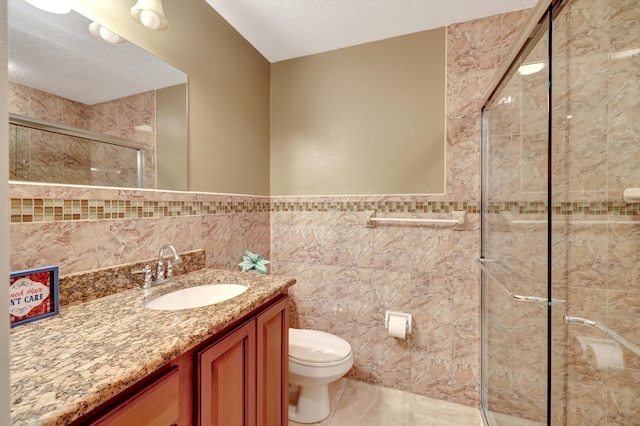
[171, 119]
[228, 90]
[367, 119]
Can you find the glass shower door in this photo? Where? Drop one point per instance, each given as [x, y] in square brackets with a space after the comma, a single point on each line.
[596, 135]
[515, 249]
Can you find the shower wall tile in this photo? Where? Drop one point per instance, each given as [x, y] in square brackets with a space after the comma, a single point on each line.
[623, 257]
[74, 114]
[505, 153]
[594, 152]
[589, 27]
[623, 311]
[587, 260]
[18, 98]
[474, 43]
[588, 166]
[116, 118]
[622, 401]
[76, 154]
[511, 24]
[588, 88]
[475, 50]
[623, 20]
[585, 395]
[46, 148]
[602, 95]
[623, 122]
[45, 106]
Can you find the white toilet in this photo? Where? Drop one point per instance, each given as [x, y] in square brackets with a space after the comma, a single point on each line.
[316, 359]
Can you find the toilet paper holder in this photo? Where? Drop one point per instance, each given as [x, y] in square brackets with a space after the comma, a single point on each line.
[389, 314]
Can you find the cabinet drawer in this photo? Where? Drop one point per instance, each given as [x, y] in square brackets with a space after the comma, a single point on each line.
[155, 404]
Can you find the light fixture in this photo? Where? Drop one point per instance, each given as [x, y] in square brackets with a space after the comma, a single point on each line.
[528, 69]
[59, 7]
[105, 34]
[149, 13]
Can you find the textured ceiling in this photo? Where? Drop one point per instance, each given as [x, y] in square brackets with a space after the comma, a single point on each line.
[43, 48]
[285, 29]
[58, 54]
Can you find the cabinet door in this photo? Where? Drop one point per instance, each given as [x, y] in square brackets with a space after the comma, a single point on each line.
[156, 404]
[226, 379]
[273, 363]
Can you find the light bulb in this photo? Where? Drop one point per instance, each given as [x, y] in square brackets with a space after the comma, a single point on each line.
[149, 14]
[110, 37]
[150, 20]
[105, 34]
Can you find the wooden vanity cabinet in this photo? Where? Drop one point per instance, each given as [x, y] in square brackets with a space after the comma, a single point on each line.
[272, 328]
[164, 398]
[157, 404]
[239, 378]
[226, 380]
[242, 378]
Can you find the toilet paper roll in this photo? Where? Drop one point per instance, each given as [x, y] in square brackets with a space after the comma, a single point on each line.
[397, 326]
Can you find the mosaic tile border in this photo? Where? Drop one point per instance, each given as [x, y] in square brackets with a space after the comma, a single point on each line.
[25, 210]
[28, 210]
[379, 206]
[597, 208]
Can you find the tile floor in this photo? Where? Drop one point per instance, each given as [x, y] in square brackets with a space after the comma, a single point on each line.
[358, 403]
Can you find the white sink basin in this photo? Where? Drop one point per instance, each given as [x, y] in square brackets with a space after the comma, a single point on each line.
[195, 297]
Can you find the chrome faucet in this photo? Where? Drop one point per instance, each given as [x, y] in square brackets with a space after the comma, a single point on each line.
[160, 271]
[161, 275]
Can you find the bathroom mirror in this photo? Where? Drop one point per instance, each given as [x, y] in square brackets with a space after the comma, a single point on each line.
[62, 75]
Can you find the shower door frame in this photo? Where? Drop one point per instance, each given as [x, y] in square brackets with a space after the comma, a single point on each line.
[540, 19]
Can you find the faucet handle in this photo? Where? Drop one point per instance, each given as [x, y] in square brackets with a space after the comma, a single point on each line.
[169, 268]
[147, 275]
[160, 269]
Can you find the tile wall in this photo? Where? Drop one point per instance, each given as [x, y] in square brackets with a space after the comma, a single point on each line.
[91, 228]
[348, 275]
[600, 42]
[39, 156]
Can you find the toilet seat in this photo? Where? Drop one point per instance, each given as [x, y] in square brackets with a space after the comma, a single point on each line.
[317, 348]
[316, 359]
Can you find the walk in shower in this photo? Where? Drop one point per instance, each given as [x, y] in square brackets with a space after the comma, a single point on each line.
[560, 246]
[47, 152]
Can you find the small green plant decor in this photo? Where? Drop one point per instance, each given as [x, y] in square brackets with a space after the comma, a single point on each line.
[255, 262]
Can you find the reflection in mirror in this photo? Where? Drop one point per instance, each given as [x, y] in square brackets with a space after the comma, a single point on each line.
[88, 112]
[40, 151]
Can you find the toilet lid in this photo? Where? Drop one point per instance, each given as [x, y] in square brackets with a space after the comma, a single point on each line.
[317, 346]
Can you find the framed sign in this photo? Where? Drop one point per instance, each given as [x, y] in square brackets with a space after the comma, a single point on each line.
[33, 295]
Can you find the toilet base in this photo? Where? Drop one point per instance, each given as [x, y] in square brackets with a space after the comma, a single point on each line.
[312, 404]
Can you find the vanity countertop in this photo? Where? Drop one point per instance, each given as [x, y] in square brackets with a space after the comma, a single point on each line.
[64, 366]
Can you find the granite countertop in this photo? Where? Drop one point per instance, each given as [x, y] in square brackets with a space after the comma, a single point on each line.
[64, 366]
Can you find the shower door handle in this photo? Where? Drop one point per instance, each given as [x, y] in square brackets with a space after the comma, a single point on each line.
[527, 298]
[534, 299]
